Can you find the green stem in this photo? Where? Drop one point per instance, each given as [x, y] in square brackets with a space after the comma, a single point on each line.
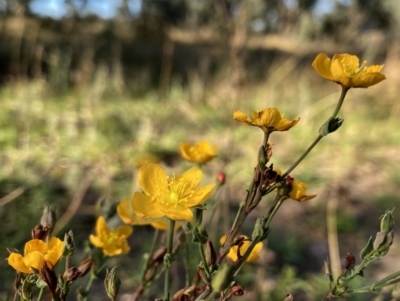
[340, 102]
[309, 149]
[90, 282]
[151, 251]
[277, 204]
[167, 258]
[41, 292]
[245, 256]
[266, 137]
[67, 263]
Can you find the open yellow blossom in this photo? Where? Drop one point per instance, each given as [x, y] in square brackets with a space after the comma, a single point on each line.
[269, 120]
[345, 70]
[125, 212]
[233, 252]
[200, 153]
[36, 254]
[112, 242]
[169, 196]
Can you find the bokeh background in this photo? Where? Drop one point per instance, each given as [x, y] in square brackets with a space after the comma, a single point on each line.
[91, 89]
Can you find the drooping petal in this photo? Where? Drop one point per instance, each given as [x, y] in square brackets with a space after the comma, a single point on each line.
[151, 177]
[200, 195]
[365, 80]
[143, 206]
[298, 192]
[179, 213]
[54, 253]
[34, 259]
[16, 261]
[285, 124]
[126, 214]
[35, 245]
[322, 64]
[192, 176]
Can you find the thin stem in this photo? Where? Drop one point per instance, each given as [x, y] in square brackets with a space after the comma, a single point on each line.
[203, 258]
[309, 149]
[340, 102]
[245, 256]
[151, 251]
[41, 292]
[167, 258]
[278, 202]
[266, 137]
[90, 282]
[67, 263]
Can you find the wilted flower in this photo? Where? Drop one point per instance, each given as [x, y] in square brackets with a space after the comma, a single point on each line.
[244, 245]
[36, 254]
[169, 196]
[201, 152]
[298, 192]
[112, 242]
[269, 120]
[345, 70]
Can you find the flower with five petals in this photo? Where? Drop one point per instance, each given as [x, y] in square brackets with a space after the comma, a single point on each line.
[269, 120]
[345, 70]
[200, 153]
[172, 197]
[112, 242]
[37, 253]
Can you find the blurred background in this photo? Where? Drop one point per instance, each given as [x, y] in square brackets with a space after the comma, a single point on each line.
[92, 89]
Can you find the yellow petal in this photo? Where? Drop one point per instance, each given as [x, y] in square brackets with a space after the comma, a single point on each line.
[124, 230]
[192, 175]
[339, 74]
[102, 227]
[179, 213]
[285, 124]
[35, 245]
[200, 195]
[54, 253]
[268, 117]
[34, 259]
[16, 261]
[322, 64]
[151, 177]
[242, 117]
[142, 206]
[365, 80]
[126, 214]
[255, 253]
[184, 149]
[96, 241]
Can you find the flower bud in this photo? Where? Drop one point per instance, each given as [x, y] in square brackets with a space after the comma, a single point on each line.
[221, 178]
[387, 221]
[69, 244]
[85, 266]
[48, 218]
[210, 254]
[350, 260]
[237, 290]
[112, 283]
[48, 276]
[39, 232]
[71, 274]
[330, 126]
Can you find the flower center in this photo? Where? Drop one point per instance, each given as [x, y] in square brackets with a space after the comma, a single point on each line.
[352, 70]
[179, 192]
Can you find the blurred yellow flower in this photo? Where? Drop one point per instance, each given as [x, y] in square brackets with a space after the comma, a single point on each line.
[124, 210]
[112, 242]
[298, 192]
[36, 254]
[169, 196]
[144, 159]
[345, 70]
[201, 152]
[269, 120]
[233, 252]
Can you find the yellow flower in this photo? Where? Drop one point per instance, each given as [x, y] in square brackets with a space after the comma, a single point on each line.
[169, 196]
[269, 120]
[201, 152]
[233, 252]
[112, 242]
[36, 254]
[345, 70]
[126, 214]
[298, 192]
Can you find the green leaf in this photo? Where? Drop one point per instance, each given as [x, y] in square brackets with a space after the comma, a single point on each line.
[367, 249]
